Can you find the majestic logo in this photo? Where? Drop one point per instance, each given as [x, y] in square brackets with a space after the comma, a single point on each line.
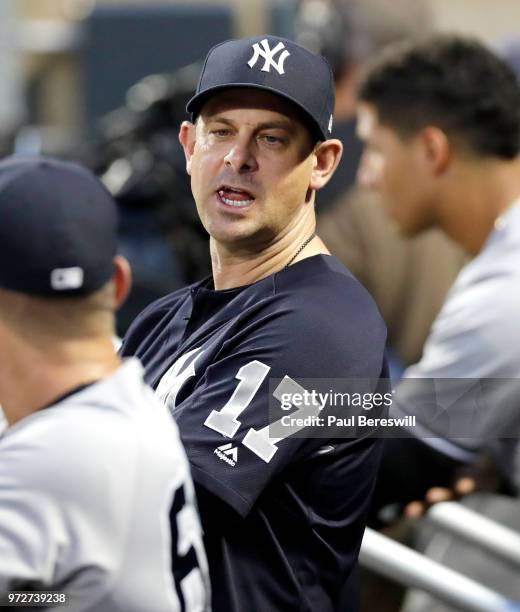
[269, 55]
[227, 453]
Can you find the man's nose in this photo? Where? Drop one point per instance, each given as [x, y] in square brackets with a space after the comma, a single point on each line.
[370, 170]
[241, 157]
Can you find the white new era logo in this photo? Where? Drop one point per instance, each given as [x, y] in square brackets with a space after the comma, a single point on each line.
[227, 453]
[269, 55]
[66, 278]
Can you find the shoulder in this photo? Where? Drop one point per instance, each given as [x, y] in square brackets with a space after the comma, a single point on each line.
[488, 288]
[497, 262]
[325, 298]
[325, 274]
[155, 314]
[165, 303]
[116, 423]
[49, 442]
[319, 319]
[475, 334]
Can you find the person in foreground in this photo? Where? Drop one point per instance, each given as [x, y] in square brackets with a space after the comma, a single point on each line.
[283, 515]
[91, 466]
[441, 125]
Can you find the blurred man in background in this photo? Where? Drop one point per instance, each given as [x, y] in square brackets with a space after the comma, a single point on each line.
[91, 465]
[441, 126]
[408, 278]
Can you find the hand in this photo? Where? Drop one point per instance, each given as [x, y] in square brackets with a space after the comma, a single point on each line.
[462, 487]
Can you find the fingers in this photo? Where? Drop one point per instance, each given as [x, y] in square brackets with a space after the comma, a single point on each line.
[465, 486]
[436, 495]
[414, 510]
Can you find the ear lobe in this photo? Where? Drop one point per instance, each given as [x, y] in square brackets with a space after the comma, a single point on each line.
[327, 156]
[122, 279]
[187, 140]
[437, 149]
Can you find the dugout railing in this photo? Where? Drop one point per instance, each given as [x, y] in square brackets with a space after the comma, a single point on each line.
[401, 564]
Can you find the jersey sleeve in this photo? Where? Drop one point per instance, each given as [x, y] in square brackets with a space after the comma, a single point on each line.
[224, 422]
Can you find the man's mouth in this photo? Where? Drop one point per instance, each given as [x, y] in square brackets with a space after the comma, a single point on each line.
[238, 198]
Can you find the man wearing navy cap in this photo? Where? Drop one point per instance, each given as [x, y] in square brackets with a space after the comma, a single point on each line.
[283, 506]
[91, 465]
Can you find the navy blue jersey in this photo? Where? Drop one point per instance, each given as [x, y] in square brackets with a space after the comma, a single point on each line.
[283, 519]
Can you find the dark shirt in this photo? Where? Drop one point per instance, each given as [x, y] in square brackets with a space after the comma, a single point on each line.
[283, 519]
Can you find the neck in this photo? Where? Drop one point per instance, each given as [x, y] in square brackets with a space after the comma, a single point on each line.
[32, 378]
[238, 266]
[482, 192]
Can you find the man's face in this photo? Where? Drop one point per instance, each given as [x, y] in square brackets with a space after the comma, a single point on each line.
[250, 161]
[394, 167]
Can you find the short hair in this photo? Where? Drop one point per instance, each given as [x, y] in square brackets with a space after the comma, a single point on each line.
[453, 82]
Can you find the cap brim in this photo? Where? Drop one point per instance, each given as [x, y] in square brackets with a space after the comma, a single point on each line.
[196, 103]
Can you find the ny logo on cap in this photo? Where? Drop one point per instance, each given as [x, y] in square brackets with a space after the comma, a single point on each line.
[269, 56]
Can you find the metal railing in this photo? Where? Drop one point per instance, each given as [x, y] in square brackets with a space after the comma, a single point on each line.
[473, 527]
[397, 562]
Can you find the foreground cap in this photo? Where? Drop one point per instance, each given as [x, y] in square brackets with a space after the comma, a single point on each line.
[58, 228]
[276, 65]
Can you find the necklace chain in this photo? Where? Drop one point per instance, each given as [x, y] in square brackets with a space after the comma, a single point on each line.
[300, 249]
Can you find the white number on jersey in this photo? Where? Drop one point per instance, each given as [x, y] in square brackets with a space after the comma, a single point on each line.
[188, 561]
[225, 421]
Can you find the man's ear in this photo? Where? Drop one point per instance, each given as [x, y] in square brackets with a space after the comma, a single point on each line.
[436, 149]
[122, 279]
[187, 140]
[327, 155]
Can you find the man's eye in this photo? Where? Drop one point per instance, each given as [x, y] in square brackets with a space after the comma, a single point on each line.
[220, 133]
[271, 140]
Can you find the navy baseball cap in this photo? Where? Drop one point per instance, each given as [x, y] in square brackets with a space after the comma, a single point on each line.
[274, 64]
[58, 228]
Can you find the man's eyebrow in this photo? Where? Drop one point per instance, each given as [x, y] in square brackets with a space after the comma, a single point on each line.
[282, 124]
[218, 119]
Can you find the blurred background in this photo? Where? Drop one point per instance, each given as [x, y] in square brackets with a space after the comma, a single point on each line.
[106, 81]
